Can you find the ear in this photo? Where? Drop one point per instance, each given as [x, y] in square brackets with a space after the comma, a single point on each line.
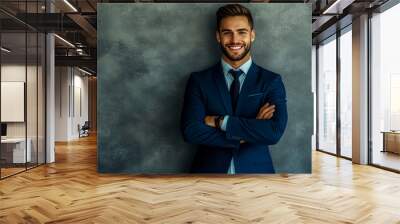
[253, 35]
[217, 36]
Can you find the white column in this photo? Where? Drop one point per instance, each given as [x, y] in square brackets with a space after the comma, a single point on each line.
[360, 90]
[50, 92]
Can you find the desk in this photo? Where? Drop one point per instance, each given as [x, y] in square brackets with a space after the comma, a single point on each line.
[391, 141]
[17, 150]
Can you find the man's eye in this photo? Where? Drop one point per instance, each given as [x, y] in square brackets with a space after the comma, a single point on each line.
[242, 33]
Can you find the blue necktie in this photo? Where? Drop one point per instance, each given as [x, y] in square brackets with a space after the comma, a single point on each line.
[235, 87]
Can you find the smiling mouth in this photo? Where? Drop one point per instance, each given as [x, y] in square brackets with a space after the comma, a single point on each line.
[235, 47]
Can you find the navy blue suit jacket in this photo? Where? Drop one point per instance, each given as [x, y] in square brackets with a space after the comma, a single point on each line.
[207, 94]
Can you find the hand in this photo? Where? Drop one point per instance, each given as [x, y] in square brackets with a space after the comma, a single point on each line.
[209, 120]
[266, 112]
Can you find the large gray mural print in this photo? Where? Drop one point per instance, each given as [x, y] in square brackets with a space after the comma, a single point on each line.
[146, 52]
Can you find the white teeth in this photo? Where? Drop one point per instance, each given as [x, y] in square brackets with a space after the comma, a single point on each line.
[235, 47]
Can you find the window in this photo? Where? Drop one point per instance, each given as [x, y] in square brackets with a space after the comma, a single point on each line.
[346, 92]
[385, 88]
[327, 95]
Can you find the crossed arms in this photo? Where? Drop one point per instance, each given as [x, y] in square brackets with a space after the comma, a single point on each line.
[265, 113]
[266, 128]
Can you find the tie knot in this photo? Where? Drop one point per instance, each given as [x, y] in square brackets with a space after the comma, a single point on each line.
[235, 73]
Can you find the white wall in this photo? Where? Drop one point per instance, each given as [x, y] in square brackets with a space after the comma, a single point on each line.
[16, 73]
[71, 93]
[33, 127]
[81, 104]
[61, 103]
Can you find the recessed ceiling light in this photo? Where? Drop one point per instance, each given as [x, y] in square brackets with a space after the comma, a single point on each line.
[64, 40]
[5, 50]
[70, 5]
[328, 10]
[86, 72]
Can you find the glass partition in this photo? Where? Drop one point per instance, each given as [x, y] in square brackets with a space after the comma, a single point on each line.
[41, 91]
[22, 102]
[14, 154]
[346, 93]
[32, 95]
[385, 89]
[327, 95]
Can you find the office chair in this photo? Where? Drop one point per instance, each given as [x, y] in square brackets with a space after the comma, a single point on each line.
[84, 130]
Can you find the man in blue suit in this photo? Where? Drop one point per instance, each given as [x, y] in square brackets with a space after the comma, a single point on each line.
[235, 109]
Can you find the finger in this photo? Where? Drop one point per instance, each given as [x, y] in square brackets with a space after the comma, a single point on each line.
[259, 113]
[272, 107]
[264, 106]
[267, 110]
[264, 115]
[268, 115]
[262, 112]
[264, 109]
[207, 120]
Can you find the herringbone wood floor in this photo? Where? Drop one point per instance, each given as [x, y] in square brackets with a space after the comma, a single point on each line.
[71, 191]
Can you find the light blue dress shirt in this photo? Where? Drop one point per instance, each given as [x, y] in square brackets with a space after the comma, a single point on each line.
[229, 79]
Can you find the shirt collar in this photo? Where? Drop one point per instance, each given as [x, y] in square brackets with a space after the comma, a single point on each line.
[244, 67]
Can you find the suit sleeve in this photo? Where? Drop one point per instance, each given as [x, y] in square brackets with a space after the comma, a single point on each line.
[262, 131]
[193, 128]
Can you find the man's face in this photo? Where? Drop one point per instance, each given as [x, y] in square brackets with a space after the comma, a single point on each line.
[235, 36]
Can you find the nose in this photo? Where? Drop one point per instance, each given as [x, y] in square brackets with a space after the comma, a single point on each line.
[235, 38]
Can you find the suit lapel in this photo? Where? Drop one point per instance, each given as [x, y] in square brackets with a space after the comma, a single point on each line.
[249, 83]
[222, 88]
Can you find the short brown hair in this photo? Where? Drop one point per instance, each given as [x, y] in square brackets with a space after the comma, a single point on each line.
[233, 10]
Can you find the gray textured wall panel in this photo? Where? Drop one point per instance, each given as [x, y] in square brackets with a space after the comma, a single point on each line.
[145, 55]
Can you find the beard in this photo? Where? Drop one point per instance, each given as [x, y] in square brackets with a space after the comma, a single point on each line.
[232, 57]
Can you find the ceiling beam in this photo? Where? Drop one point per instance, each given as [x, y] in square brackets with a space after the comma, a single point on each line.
[84, 24]
[84, 61]
[337, 6]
